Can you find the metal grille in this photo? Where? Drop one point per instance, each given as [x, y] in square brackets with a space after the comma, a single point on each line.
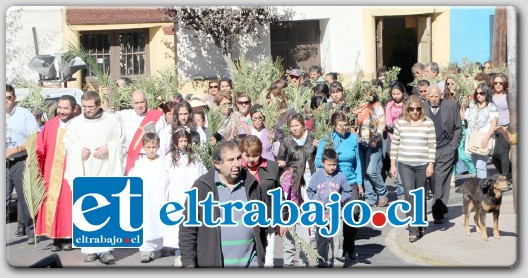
[98, 46]
[132, 53]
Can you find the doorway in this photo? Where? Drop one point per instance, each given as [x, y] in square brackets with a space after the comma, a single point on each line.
[398, 43]
[297, 43]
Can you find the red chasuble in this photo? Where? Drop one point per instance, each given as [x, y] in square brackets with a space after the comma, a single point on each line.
[54, 218]
[136, 144]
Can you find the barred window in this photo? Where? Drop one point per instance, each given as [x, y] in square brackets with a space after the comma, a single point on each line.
[117, 52]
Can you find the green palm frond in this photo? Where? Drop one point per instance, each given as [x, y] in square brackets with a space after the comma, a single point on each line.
[271, 114]
[296, 98]
[33, 182]
[310, 251]
[34, 99]
[214, 119]
[321, 121]
[149, 85]
[204, 152]
[253, 78]
[167, 82]
[91, 63]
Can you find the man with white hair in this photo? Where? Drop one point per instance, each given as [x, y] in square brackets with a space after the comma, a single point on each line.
[446, 118]
[133, 123]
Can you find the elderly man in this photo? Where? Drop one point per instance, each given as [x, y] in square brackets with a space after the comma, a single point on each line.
[94, 148]
[134, 121]
[446, 118]
[237, 246]
[54, 218]
[20, 124]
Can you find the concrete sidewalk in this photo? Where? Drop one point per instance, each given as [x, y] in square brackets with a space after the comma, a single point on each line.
[446, 245]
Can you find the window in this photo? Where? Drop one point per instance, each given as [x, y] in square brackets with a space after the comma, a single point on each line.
[118, 52]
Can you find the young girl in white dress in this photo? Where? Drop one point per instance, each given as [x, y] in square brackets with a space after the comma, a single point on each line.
[181, 168]
[149, 168]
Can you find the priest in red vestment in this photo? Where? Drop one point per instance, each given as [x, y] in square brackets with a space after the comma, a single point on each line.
[54, 218]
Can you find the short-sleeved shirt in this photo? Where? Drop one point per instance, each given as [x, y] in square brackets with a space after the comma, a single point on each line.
[20, 124]
[238, 242]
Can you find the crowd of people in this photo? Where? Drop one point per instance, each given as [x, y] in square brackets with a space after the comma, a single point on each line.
[420, 137]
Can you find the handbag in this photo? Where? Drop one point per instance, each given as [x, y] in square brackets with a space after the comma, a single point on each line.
[475, 139]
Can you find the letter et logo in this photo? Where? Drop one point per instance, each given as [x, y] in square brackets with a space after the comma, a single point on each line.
[107, 212]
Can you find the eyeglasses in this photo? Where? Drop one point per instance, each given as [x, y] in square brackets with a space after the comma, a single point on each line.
[247, 102]
[295, 77]
[497, 83]
[417, 109]
[480, 93]
[257, 119]
[9, 97]
[213, 87]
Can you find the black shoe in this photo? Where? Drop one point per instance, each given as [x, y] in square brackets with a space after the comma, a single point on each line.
[31, 240]
[21, 231]
[67, 247]
[55, 248]
[107, 258]
[439, 221]
[90, 257]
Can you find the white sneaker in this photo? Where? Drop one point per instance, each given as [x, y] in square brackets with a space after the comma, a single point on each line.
[178, 261]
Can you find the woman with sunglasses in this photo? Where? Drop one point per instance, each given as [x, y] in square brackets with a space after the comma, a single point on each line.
[232, 125]
[501, 153]
[450, 89]
[482, 117]
[214, 88]
[243, 104]
[413, 145]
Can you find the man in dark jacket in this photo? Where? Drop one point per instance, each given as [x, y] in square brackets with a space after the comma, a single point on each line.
[446, 117]
[222, 246]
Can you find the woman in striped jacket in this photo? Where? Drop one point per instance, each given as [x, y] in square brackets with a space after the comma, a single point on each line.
[414, 147]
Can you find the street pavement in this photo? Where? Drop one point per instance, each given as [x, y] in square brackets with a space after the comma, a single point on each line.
[444, 245]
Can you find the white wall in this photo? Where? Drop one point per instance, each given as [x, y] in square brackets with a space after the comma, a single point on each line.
[20, 47]
[198, 56]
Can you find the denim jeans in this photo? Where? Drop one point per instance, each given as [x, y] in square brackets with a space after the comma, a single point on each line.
[480, 162]
[413, 177]
[371, 164]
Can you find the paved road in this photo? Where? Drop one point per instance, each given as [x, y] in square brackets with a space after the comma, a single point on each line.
[443, 245]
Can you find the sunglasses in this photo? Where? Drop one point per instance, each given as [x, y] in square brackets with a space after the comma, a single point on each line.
[9, 97]
[480, 93]
[497, 83]
[247, 102]
[417, 109]
[213, 87]
[295, 77]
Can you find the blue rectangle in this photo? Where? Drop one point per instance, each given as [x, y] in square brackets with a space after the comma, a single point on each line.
[107, 212]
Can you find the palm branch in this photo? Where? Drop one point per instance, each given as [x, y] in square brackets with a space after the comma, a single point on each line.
[204, 153]
[310, 251]
[253, 78]
[91, 63]
[167, 82]
[33, 182]
[296, 99]
[214, 119]
[34, 99]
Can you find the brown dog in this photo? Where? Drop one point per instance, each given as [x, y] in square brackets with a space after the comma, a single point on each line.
[486, 197]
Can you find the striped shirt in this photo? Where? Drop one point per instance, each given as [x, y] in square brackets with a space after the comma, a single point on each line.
[238, 241]
[414, 144]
